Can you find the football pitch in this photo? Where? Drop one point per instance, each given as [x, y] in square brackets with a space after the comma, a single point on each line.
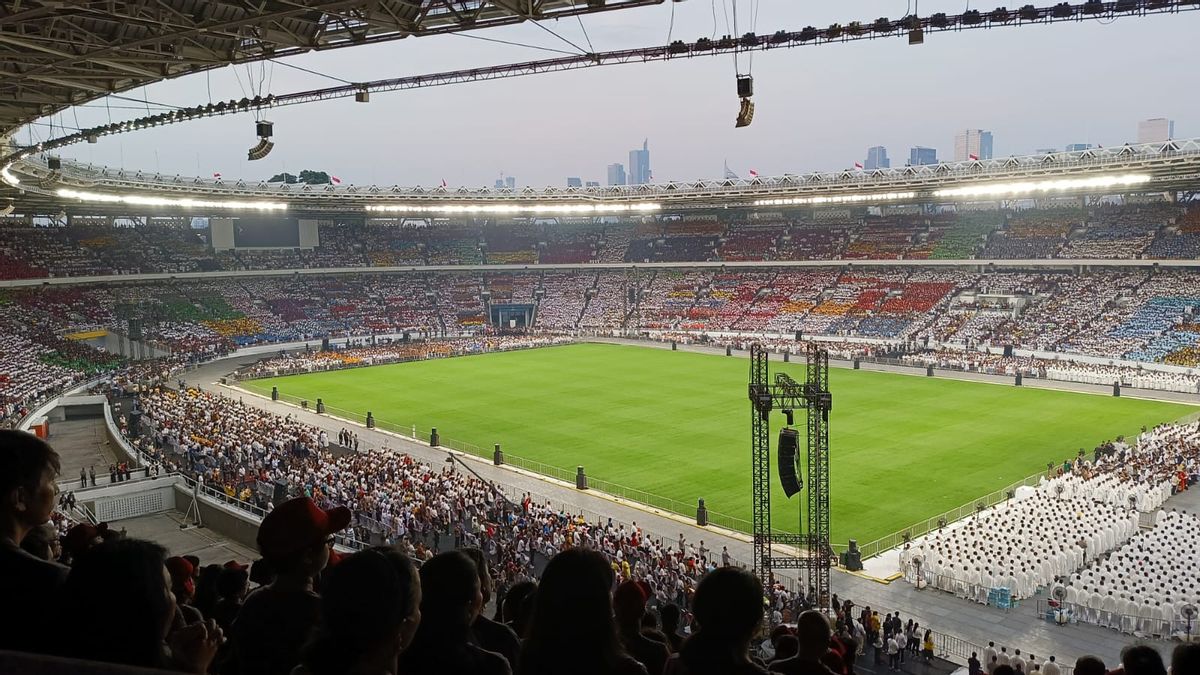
[677, 424]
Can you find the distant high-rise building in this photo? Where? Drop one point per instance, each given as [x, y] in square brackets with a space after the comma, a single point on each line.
[920, 156]
[877, 158]
[500, 183]
[639, 164]
[574, 181]
[592, 183]
[972, 142]
[1157, 130]
[1078, 147]
[510, 182]
[616, 174]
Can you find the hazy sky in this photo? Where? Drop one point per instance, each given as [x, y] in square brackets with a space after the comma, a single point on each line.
[817, 107]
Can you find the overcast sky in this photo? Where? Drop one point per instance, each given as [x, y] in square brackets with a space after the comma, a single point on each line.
[818, 108]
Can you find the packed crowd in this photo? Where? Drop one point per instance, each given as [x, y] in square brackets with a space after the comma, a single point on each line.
[96, 246]
[391, 350]
[1079, 512]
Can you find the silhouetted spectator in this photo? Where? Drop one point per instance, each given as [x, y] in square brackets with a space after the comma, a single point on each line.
[232, 585]
[42, 542]
[573, 628]
[517, 610]
[450, 602]
[183, 585]
[1142, 660]
[370, 611]
[629, 606]
[728, 607]
[28, 584]
[294, 540]
[669, 614]
[136, 630]
[492, 636]
[1185, 659]
[813, 633]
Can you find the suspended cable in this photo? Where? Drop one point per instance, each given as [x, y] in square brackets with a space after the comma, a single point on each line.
[312, 72]
[671, 28]
[591, 49]
[514, 44]
[550, 31]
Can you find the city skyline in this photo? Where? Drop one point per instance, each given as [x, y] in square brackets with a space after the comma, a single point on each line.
[686, 105]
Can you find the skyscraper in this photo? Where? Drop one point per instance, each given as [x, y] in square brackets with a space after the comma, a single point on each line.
[510, 182]
[616, 174]
[920, 155]
[639, 164]
[574, 181]
[1157, 130]
[877, 158]
[500, 183]
[972, 142]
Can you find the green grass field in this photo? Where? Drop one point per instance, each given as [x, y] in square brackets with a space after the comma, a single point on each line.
[676, 424]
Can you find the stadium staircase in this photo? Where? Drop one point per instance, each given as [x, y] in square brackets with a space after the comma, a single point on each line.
[588, 294]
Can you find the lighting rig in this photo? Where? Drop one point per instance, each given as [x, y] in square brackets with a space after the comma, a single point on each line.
[914, 28]
[813, 397]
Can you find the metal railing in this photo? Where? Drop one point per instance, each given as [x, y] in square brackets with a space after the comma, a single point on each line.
[1065, 613]
[895, 539]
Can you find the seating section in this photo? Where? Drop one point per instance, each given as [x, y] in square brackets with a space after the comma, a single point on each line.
[104, 246]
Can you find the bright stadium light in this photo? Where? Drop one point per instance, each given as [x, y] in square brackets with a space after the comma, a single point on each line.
[565, 209]
[185, 202]
[837, 199]
[1035, 187]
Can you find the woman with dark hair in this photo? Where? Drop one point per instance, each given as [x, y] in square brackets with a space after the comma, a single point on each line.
[206, 596]
[573, 629]
[450, 602]
[370, 610]
[517, 610]
[133, 631]
[232, 586]
[729, 608]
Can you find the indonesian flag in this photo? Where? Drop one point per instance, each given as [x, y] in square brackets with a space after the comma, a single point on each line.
[753, 173]
[443, 182]
[973, 158]
[217, 175]
[335, 180]
[858, 165]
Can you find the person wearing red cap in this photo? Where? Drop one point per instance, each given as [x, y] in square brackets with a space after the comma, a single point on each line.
[232, 584]
[80, 538]
[629, 605]
[28, 493]
[183, 585]
[294, 540]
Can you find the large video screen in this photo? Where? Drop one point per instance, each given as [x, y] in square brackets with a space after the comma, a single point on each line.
[266, 231]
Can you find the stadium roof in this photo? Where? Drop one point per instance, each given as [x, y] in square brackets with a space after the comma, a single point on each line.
[56, 54]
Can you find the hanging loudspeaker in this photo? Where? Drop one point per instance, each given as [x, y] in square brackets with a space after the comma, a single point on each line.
[789, 445]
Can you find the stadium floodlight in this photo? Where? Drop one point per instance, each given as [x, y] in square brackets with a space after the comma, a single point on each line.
[563, 209]
[8, 209]
[836, 199]
[184, 202]
[1037, 187]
